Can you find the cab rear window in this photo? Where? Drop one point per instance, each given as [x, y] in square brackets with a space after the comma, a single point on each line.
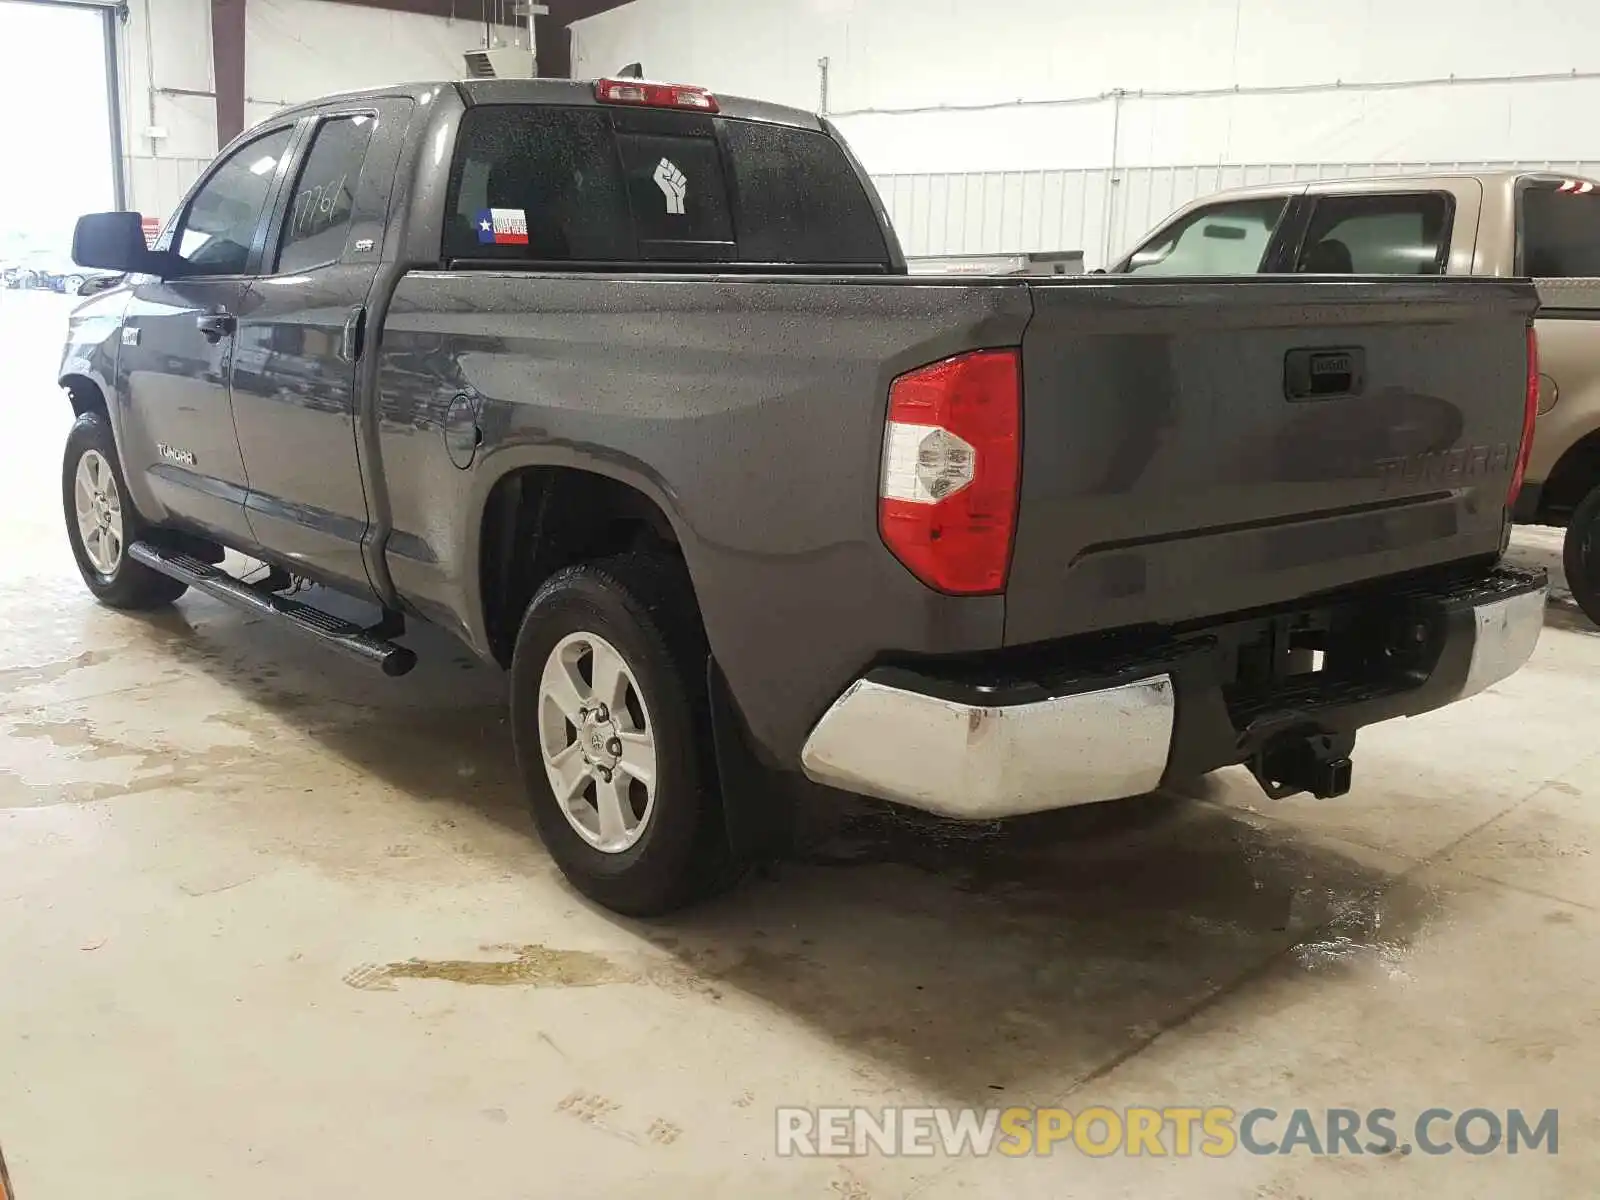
[676, 191]
[800, 200]
[591, 186]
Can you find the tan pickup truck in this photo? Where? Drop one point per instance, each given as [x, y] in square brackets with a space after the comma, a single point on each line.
[1498, 224]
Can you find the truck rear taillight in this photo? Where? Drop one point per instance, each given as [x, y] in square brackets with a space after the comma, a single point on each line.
[1530, 414]
[642, 94]
[952, 452]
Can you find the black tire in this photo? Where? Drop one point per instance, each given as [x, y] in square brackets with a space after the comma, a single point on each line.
[1580, 554]
[128, 585]
[643, 606]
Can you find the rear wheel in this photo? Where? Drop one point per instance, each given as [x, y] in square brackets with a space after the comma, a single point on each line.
[101, 522]
[612, 728]
[1580, 554]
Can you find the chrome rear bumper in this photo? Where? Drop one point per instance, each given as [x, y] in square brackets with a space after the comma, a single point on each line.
[1505, 633]
[972, 760]
[976, 763]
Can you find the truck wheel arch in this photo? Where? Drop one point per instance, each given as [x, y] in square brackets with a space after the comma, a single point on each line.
[1575, 475]
[538, 518]
[85, 394]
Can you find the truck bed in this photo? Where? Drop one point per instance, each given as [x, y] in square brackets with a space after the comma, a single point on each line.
[1166, 476]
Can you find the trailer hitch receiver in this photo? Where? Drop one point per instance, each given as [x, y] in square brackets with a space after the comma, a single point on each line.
[1313, 762]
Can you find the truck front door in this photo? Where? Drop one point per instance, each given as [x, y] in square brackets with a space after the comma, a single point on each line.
[301, 342]
[180, 452]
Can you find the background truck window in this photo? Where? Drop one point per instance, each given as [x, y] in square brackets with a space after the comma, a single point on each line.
[318, 216]
[798, 198]
[555, 167]
[220, 225]
[1223, 239]
[1560, 232]
[1398, 234]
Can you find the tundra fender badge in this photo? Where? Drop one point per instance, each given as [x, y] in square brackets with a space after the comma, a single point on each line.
[184, 458]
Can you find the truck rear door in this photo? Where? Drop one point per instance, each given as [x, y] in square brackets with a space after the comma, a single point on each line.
[301, 335]
[1196, 447]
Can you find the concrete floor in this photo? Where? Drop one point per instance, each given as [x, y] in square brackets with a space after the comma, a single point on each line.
[248, 889]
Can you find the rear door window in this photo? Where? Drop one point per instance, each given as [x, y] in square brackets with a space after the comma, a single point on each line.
[1221, 239]
[320, 208]
[1560, 230]
[1383, 234]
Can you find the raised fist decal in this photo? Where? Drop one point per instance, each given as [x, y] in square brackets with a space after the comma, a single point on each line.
[673, 184]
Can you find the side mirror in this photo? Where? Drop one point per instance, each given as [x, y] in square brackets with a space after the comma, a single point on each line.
[112, 241]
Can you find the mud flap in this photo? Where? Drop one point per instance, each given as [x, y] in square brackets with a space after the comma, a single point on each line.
[757, 808]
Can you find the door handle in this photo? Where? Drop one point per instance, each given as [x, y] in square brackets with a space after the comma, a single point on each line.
[216, 325]
[353, 335]
[1334, 373]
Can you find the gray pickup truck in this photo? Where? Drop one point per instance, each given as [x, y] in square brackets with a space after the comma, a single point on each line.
[626, 385]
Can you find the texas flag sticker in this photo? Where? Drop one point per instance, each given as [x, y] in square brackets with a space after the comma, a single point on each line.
[502, 227]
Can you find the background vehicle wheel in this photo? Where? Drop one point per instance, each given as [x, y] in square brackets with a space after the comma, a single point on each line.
[101, 521]
[1580, 554]
[72, 284]
[612, 728]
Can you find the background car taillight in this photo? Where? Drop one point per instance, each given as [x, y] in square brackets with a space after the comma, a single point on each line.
[952, 452]
[1530, 414]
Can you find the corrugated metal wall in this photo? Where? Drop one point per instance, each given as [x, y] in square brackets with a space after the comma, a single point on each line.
[1011, 211]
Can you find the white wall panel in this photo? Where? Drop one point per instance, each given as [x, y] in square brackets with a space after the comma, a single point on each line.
[294, 50]
[300, 49]
[703, 41]
[934, 54]
[899, 53]
[166, 44]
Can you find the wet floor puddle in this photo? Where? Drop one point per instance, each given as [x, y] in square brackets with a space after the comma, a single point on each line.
[529, 966]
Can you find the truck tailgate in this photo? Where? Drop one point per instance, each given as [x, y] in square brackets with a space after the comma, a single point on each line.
[1199, 447]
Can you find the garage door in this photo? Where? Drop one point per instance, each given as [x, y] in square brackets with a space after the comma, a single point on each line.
[57, 142]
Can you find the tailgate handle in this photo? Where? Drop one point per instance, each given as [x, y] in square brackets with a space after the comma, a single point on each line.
[1324, 374]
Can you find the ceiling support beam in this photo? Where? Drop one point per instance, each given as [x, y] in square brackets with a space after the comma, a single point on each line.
[552, 40]
[227, 67]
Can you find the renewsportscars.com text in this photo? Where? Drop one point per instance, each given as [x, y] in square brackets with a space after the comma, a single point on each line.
[1168, 1131]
